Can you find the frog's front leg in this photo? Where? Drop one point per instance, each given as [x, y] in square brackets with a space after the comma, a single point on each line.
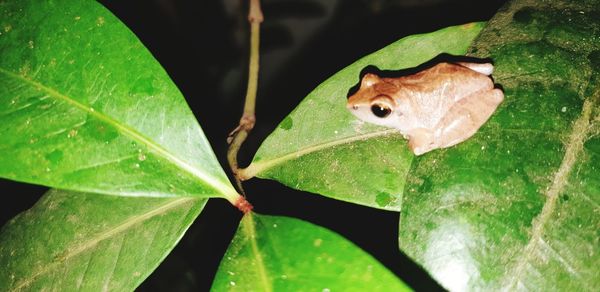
[421, 140]
[465, 117]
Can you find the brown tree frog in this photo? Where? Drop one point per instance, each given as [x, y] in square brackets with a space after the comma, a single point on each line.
[435, 108]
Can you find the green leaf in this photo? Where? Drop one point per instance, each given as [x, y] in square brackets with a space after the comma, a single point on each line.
[270, 253]
[84, 106]
[320, 147]
[516, 207]
[78, 241]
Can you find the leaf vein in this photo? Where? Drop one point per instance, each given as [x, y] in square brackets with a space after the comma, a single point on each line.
[116, 263]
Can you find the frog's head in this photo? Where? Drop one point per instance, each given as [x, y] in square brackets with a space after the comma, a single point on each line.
[373, 101]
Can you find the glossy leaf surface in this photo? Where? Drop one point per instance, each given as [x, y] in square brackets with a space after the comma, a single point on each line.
[77, 241]
[84, 106]
[270, 253]
[516, 207]
[320, 147]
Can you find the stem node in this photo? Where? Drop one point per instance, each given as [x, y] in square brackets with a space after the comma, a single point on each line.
[243, 205]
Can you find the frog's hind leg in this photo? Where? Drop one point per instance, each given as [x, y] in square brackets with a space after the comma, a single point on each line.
[483, 68]
[466, 117]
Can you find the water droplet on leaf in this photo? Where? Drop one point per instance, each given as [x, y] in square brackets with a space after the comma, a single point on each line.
[317, 242]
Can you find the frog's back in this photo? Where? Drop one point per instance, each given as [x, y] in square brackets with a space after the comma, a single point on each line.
[447, 75]
[433, 91]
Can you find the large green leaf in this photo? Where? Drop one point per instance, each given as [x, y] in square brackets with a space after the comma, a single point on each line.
[77, 241]
[320, 147]
[271, 253]
[84, 106]
[517, 207]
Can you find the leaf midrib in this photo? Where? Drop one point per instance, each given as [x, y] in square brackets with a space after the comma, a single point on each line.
[260, 265]
[93, 241]
[263, 165]
[579, 133]
[224, 189]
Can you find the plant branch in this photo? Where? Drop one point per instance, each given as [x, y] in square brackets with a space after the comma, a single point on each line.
[238, 135]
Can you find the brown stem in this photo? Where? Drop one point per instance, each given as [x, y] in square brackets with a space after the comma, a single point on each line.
[237, 137]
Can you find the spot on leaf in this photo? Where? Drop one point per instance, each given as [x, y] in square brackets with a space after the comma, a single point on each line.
[55, 156]
[287, 123]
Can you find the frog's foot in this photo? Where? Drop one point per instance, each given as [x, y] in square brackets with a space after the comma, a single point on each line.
[421, 141]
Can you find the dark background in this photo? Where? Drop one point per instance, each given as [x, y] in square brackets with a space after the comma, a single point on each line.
[203, 45]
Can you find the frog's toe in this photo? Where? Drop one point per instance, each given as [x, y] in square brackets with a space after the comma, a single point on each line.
[497, 96]
[418, 151]
[417, 148]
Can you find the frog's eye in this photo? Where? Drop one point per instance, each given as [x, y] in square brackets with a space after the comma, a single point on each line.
[381, 110]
